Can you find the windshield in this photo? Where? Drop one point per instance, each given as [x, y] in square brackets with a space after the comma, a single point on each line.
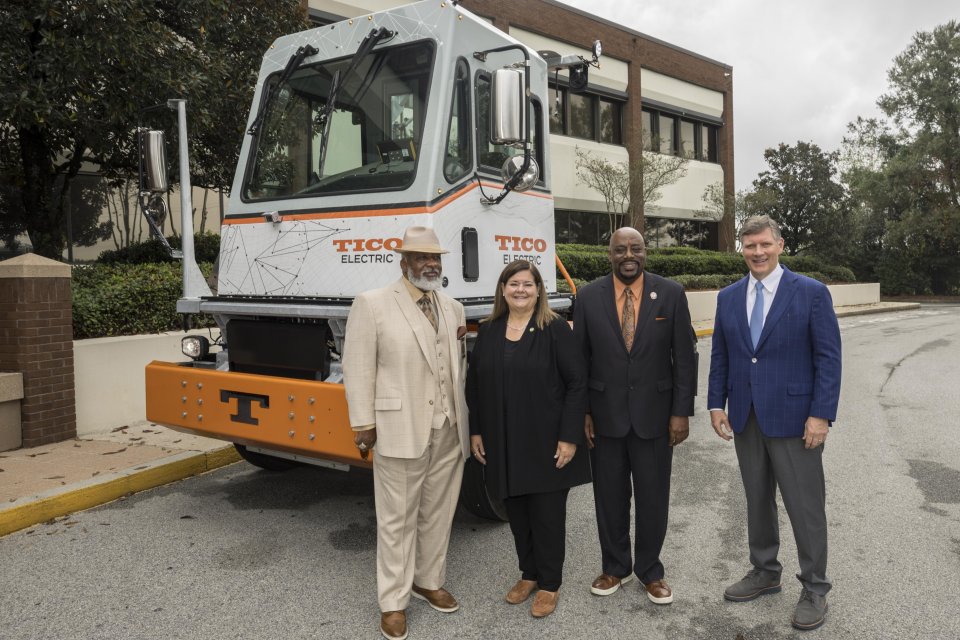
[375, 127]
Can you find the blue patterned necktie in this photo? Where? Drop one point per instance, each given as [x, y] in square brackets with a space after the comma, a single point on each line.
[756, 317]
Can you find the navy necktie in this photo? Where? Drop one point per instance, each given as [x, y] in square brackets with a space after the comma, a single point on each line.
[756, 317]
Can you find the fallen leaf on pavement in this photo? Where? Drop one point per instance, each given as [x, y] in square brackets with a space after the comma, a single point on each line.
[55, 478]
[107, 453]
[187, 518]
[34, 455]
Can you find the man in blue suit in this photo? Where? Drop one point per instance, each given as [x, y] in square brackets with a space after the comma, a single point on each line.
[775, 367]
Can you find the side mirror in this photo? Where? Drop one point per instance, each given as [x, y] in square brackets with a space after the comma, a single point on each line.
[153, 161]
[508, 115]
[511, 168]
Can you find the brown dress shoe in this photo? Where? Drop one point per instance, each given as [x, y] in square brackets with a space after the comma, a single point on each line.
[521, 591]
[544, 603]
[605, 584]
[659, 592]
[439, 599]
[393, 625]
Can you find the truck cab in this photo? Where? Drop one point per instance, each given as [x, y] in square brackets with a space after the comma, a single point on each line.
[420, 115]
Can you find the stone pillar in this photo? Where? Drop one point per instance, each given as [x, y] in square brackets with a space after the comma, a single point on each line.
[36, 340]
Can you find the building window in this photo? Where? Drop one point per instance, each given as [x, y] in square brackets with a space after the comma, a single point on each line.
[708, 143]
[586, 115]
[665, 134]
[646, 123]
[582, 124]
[558, 102]
[671, 135]
[688, 147]
[610, 122]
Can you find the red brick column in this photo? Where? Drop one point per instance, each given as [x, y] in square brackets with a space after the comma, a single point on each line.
[36, 340]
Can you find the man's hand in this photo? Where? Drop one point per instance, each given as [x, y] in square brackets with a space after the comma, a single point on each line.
[476, 448]
[588, 430]
[365, 440]
[565, 453]
[679, 429]
[721, 424]
[815, 432]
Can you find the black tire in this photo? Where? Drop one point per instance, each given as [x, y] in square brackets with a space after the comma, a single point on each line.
[270, 463]
[474, 496]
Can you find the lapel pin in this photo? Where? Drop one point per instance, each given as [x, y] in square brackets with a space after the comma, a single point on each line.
[653, 295]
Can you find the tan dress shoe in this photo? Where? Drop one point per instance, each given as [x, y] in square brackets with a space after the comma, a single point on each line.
[659, 592]
[439, 599]
[521, 591]
[393, 625]
[605, 584]
[544, 603]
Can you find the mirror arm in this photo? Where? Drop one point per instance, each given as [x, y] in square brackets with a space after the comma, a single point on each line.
[508, 187]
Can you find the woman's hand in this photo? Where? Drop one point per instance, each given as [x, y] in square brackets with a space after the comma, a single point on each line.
[565, 453]
[476, 448]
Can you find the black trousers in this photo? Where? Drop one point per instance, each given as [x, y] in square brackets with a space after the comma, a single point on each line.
[648, 463]
[769, 463]
[539, 525]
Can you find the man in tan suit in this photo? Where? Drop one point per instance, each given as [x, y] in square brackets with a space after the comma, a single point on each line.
[404, 359]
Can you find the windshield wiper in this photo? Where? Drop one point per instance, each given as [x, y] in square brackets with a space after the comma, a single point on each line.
[368, 43]
[303, 52]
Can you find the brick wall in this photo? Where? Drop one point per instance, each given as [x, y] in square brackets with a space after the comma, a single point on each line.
[36, 340]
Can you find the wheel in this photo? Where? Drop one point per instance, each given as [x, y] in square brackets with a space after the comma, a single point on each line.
[474, 496]
[270, 463]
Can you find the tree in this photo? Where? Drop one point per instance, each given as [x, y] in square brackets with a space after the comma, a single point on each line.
[799, 191]
[722, 208]
[629, 189]
[610, 179]
[77, 74]
[904, 174]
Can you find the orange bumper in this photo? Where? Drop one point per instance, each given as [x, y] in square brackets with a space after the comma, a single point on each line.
[301, 417]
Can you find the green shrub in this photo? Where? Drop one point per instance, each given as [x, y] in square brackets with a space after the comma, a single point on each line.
[705, 282]
[563, 287]
[128, 299]
[588, 262]
[206, 247]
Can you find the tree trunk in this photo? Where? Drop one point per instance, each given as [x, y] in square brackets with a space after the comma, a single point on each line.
[42, 212]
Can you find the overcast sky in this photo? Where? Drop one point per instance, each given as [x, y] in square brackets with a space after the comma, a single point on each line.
[802, 69]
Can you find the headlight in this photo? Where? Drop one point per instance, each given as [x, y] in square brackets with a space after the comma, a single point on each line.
[195, 347]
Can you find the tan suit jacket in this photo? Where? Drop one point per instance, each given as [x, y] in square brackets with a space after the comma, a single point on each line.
[389, 369]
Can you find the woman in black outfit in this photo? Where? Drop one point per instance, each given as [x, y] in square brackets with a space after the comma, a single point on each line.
[527, 395]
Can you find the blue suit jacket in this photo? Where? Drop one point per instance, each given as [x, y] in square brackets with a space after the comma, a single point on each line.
[794, 372]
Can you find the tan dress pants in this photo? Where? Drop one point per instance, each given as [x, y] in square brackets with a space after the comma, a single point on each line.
[415, 499]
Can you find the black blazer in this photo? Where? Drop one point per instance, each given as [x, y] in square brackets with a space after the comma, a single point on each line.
[521, 422]
[657, 379]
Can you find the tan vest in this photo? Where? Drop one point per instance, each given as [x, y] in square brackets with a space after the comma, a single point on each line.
[444, 412]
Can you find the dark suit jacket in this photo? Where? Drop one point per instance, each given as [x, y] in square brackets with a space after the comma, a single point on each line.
[793, 373]
[657, 379]
[543, 402]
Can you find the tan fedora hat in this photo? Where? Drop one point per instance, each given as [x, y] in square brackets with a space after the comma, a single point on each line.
[420, 240]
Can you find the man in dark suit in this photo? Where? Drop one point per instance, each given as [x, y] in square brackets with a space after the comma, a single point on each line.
[635, 332]
[778, 375]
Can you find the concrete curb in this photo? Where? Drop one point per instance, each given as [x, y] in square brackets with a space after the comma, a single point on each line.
[26, 512]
